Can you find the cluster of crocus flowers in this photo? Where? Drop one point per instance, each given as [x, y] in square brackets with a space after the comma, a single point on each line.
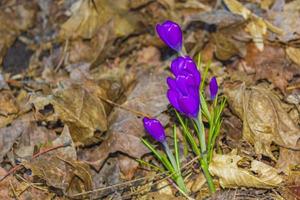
[184, 95]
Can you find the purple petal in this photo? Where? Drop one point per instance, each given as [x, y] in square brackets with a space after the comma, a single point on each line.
[213, 88]
[185, 66]
[176, 65]
[189, 106]
[171, 83]
[173, 98]
[155, 129]
[171, 34]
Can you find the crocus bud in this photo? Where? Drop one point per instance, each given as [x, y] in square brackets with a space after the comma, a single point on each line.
[171, 34]
[155, 129]
[213, 88]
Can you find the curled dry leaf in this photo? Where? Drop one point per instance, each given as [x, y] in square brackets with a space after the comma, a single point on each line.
[81, 110]
[264, 119]
[259, 175]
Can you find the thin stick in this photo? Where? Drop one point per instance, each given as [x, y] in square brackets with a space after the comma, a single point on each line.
[20, 166]
[133, 181]
[125, 108]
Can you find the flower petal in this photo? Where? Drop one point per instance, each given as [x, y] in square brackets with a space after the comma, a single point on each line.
[189, 106]
[155, 129]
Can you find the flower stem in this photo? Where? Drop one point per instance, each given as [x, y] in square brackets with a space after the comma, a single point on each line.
[203, 158]
[178, 178]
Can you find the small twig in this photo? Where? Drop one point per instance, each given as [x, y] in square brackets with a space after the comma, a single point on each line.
[135, 180]
[125, 108]
[34, 185]
[13, 190]
[19, 166]
[62, 57]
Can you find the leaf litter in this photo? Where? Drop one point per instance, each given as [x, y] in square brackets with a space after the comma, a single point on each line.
[77, 76]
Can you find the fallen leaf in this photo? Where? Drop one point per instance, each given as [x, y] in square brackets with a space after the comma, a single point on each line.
[259, 175]
[270, 64]
[65, 138]
[13, 21]
[294, 54]
[8, 135]
[88, 16]
[264, 119]
[126, 129]
[82, 111]
[238, 8]
[9, 107]
[67, 175]
[257, 29]
[288, 160]
[287, 19]
[292, 189]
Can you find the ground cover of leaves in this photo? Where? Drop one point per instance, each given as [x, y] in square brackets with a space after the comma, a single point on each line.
[77, 77]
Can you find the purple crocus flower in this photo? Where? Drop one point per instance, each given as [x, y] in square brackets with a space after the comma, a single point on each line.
[183, 91]
[171, 34]
[155, 129]
[213, 88]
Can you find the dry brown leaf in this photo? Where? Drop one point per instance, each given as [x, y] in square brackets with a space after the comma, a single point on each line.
[69, 176]
[81, 110]
[8, 108]
[126, 129]
[270, 64]
[257, 26]
[292, 186]
[287, 18]
[18, 18]
[225, 47]
[264, 119]
[88, 16]
[294, 54]
[288, 160]
[65, 138]
[259, 175]
[9, 134]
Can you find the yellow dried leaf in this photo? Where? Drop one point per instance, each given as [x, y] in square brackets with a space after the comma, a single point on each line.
[260, 175]
[237, 8]
[257, 29]
[294, 54]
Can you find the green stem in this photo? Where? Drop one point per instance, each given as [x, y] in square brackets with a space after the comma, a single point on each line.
[201, 133]
[203, 160]
[207, 175]
[178, 178]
